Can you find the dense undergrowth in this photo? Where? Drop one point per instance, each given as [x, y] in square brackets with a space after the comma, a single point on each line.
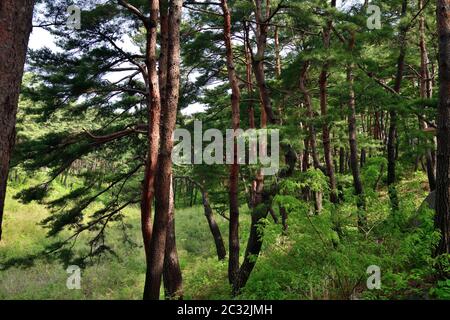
[318, 257]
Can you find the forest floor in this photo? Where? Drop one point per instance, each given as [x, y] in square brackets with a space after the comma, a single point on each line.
[289, 268]
[25, 273]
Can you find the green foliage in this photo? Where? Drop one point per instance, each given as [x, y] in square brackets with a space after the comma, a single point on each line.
[442, 290]
[79, 184]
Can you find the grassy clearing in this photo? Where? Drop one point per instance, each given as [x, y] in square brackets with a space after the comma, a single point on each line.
[33, 275]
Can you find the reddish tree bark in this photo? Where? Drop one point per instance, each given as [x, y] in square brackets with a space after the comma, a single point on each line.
[153, 118]
[233, 265]
[163, 182]
[261, 30]
[248, 67]
[172, 277]
[15, 27]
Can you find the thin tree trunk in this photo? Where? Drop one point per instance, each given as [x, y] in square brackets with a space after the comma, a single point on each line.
[262, 26]
[233, 265]
[392, 135]
[277, 53]
[341, 160]
[312, 131]
[15, 27]
[443, 132]
[323, 82]
[273, 215]
[284, 218]
[215, 231]
[309, 110]
[305, 162]
[248, 69]
[425, 92]
[153, 118]
[377, 128]
[359, 191]
[191, 195]
[214, 228]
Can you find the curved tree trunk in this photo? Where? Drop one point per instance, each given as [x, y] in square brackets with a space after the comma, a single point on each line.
[215, 231]
[15, 28]
[213, 226]
[253, 249]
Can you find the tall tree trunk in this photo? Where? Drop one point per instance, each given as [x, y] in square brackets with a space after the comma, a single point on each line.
[15, 27]
[153, 118]
[255, 240]
[233, 265]
[391, 144]
[163, 182]
[259, 210]
[443, 132]
[425, 92]
[323, 82]
[359, 191]
[252, 123]
[312, 131]
[172, 276]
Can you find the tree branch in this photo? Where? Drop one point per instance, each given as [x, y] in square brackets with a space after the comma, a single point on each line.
[137, 13]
